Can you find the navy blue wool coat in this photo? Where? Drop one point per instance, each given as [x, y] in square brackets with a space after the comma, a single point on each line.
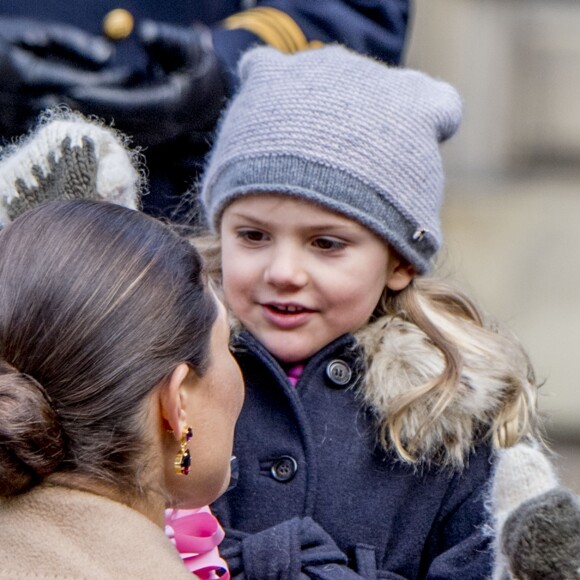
[317, 498]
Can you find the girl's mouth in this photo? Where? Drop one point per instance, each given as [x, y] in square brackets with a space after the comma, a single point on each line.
[287, 316]
[287, 308]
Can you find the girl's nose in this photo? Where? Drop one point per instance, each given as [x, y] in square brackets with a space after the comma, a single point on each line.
[286, 269]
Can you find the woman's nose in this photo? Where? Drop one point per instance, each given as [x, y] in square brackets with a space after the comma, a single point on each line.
[286, 268]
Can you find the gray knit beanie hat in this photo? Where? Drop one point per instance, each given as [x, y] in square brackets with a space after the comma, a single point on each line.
[343, 131]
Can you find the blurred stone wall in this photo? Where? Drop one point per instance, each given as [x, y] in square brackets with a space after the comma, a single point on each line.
[516, 62]
[513, 196]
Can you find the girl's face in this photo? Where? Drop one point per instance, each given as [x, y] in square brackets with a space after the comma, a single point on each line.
[298, 276]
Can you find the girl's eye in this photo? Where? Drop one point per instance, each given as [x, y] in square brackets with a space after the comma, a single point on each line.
[329, 244]
[251, 235]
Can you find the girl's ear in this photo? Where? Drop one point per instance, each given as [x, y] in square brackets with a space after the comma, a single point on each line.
[173, 400]
[399, 273]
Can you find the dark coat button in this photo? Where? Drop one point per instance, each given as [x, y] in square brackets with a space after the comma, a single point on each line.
[339, 372]
[284, 468]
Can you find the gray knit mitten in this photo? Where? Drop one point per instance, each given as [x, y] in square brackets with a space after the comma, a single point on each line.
[68, 156]
[537, 521]
[541, 538]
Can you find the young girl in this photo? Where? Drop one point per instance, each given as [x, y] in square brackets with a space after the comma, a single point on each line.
[375, 398]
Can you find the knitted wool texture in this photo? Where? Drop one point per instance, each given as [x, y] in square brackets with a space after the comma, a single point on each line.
[541, 539]
[67, 157]
[343, 131]
[522, 472]
[537, 521]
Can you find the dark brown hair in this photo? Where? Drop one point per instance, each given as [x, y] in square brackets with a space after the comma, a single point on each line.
[98, 304]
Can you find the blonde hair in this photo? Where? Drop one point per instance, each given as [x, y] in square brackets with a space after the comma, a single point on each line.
[437, 415]
[425, 348]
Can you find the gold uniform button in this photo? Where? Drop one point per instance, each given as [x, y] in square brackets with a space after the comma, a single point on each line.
[118, 24]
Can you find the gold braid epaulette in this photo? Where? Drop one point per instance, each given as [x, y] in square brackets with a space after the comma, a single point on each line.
[274, 27]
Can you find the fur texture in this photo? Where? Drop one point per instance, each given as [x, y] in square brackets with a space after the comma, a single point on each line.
[401, 360]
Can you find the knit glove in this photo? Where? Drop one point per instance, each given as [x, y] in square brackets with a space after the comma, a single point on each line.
[295, 549]
[537, 521]
[541, 538]
[67, 157]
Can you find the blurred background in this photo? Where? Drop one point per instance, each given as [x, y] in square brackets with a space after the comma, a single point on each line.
[512, 217]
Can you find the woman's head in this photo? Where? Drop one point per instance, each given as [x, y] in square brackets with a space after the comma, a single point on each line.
[344, 132]
[100, 307]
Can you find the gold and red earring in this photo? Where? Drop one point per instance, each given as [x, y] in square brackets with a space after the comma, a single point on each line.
[183, 458]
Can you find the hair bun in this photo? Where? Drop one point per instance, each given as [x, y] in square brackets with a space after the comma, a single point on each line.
[31, 438]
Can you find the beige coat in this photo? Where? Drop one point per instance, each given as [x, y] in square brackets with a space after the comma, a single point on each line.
[55, 532]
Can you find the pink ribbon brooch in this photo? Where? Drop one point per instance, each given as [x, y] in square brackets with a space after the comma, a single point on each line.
[196, 534]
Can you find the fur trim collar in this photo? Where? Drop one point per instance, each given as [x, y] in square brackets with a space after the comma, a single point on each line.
[400, 358]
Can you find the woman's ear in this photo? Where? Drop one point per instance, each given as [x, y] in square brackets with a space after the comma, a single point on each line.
[399, 273]
[173, 400]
